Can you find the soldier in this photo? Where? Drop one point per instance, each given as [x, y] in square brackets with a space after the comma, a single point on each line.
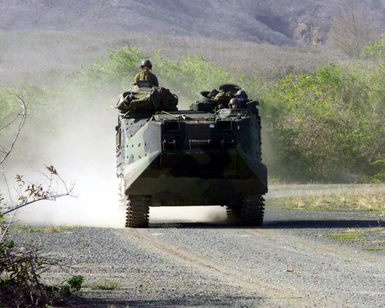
[233, 104]
[146, 75]
[242, 98]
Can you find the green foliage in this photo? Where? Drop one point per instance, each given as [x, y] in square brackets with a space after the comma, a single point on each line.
[375, 249]
[376, 49]
[70, 286]
[75, 282]
[116, 72]
[50, 229]
[371, 199]
[190, 75]
[330, 123]
[349, 235]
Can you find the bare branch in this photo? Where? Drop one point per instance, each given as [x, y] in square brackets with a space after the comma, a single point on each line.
[22, 115]
[6, 227]
[351, 31]
[50, 198]
[8, 189]
[29, 193]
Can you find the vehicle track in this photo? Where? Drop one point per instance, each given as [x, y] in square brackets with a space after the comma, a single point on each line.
[283, 266]
[269, 293]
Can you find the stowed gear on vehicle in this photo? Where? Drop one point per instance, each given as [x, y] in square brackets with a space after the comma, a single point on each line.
[209, 155]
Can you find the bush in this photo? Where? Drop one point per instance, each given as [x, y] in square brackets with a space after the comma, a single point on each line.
[190, 75]
[21, 268]
[20, 277]
[113, 74]
[330, 123]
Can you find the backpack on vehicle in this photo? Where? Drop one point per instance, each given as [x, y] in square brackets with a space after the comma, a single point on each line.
[168, 101]
[135, 102]
[157, 99]
[141, 103]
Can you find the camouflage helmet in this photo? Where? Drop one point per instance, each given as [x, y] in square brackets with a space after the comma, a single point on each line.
[146, 63]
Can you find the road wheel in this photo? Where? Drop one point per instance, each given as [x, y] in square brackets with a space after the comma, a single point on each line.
[234, 214]
[253, 210]
[137, 211]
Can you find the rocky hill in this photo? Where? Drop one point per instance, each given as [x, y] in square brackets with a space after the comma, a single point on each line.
[273, 21]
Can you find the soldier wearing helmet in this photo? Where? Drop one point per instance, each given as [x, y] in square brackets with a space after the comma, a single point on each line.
[233, 104]
[242, 98]
[146, 76]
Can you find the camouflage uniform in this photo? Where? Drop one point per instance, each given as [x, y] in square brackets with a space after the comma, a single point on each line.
[148, 76]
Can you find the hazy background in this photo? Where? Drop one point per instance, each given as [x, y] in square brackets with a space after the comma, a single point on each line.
[43, 39]
[277, 22]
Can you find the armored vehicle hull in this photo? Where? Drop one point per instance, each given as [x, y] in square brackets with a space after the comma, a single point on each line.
[185, 158]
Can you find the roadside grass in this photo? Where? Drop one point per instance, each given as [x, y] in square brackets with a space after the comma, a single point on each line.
[348, 235]
[373, 238]
[105, 284]
[48, 229]
[375, 249]
[368, 199]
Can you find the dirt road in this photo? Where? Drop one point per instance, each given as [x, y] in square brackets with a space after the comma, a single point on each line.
[289, 262]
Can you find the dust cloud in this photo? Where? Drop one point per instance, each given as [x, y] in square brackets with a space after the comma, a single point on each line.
[83, 152]
[188, 214]
[82, 148]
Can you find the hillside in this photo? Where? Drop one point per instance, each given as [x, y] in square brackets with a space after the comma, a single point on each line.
[272, 21]
[44, 57]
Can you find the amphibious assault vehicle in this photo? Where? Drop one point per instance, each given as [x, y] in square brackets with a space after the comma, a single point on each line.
[203, 156]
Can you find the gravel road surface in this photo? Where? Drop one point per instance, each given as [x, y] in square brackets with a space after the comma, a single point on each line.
[290, 262]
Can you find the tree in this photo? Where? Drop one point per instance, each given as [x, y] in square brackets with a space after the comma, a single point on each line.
[351, 31]
[17, 120]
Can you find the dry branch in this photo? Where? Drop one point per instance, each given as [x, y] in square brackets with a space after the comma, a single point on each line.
[20, 118]
[29, 192]
[351, 31]
[21, 268]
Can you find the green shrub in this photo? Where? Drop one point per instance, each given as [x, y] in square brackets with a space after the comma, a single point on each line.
[115, 73]
[330, 122]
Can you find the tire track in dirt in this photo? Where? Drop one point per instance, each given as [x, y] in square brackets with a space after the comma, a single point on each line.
[301, 244]
[270, 295]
